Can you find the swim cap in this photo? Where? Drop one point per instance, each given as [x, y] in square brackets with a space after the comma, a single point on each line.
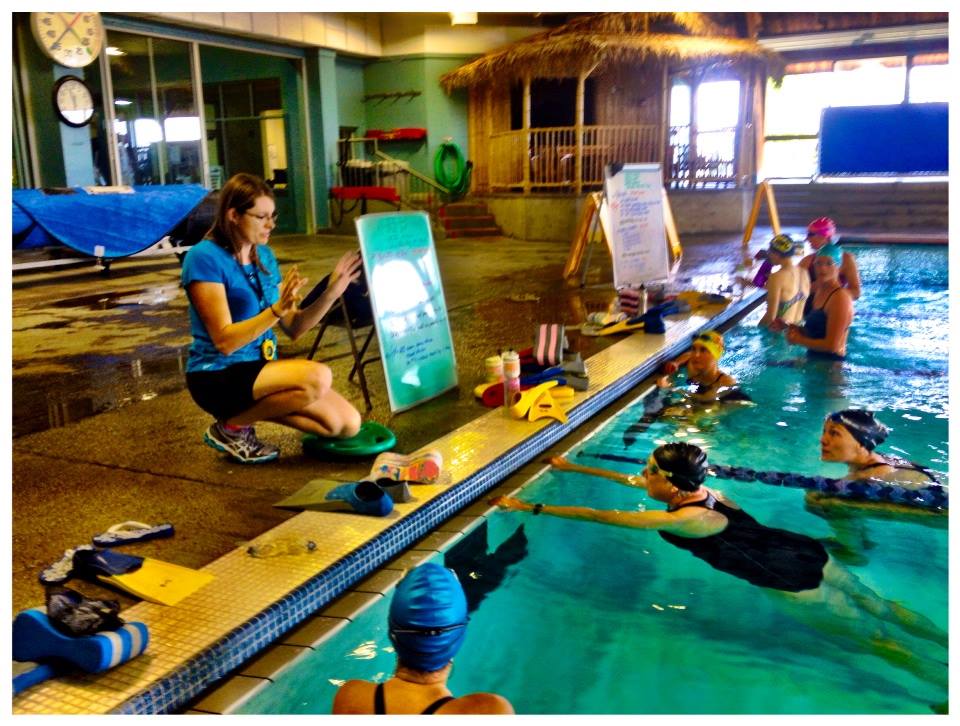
[428, 618]
[823, 226]
[862, 426]
[783, 244]
[684, 465]
[712, 341]
[832, 251]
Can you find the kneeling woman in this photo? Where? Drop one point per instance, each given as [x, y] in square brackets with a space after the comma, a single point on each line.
[236, 298]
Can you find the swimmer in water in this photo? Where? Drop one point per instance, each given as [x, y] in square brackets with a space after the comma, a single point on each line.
[850, 437]
[826, 327]
[787, 288]
[822, 231]
[703, 370]
[427, 626]
[794, 566]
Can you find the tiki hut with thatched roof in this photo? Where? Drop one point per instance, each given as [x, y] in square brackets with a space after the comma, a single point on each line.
[613, 73]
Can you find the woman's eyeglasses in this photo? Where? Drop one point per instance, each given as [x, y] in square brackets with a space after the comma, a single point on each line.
[264, 217]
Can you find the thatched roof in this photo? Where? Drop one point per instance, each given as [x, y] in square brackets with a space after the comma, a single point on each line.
[589, 42]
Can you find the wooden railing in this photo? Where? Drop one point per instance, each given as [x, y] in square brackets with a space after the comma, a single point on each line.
[549, 158]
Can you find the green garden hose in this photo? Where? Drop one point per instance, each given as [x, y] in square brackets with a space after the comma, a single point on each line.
[458, 183]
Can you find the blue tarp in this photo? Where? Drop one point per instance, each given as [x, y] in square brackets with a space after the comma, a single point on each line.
[123, 224]
[901, 139]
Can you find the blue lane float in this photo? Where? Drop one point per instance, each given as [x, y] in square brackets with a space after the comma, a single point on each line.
[106, 225]
[932, 496]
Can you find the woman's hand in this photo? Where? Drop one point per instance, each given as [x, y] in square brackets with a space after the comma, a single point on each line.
[793, 334]
[509, 503]
[289, 300]
[347, 270]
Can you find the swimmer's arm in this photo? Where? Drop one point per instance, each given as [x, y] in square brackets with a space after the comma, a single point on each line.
[209, 299]
[849, 270]
[630, 480]
[634, 520]
[774, 287]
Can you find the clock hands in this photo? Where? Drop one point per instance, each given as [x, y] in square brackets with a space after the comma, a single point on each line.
[68, 29]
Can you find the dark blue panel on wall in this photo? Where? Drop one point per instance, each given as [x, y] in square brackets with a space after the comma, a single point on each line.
[903, 139]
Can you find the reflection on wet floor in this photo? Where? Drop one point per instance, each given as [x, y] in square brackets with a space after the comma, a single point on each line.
[46, 401]
[109, 300]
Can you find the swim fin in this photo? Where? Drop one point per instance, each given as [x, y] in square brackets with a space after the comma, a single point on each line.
[160, 582]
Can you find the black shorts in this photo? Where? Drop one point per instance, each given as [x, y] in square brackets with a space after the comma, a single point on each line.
[226, 392]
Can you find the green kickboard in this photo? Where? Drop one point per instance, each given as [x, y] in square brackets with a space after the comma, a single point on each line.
[372, 439]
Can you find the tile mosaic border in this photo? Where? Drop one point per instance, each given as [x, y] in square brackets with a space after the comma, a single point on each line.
[192, 678]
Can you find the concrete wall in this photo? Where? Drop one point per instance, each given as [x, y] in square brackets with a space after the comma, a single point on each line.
[554, 217]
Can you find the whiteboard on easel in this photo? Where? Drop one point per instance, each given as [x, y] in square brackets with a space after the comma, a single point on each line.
[633, 222]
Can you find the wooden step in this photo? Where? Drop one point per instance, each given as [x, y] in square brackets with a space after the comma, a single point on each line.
[481, 220]
[475, 232]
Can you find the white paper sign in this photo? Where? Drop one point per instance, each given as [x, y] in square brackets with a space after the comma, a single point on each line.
[634, 224]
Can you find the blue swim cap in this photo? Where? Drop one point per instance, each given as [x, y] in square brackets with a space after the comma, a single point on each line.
[428, 618]
[832, 251]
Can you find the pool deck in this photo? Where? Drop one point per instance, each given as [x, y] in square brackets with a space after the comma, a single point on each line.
[141, 457]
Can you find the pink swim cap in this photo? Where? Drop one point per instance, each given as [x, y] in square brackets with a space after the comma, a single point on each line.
[823, 226]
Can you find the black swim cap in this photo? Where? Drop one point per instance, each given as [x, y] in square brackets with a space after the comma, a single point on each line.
[862, 426]
[684, 465]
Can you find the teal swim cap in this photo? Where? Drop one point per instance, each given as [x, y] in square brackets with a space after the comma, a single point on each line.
[428, 618]
[832, 251]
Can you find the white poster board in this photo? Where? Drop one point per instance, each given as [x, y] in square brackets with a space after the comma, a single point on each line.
[634, 224]
[409, 309]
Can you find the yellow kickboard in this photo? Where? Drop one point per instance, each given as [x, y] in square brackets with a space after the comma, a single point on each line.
[160, 582]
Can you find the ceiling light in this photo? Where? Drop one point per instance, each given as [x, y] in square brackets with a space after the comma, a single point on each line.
[463, 18]
[121, 102]
[114, 50]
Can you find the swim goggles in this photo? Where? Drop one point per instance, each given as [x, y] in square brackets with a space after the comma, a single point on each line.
[427, 631]
[654, 468]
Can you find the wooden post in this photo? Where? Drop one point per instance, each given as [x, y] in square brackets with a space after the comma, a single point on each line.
[764, 192]
[670, 227]
[666, 158]
[578, 130]
[526, 135]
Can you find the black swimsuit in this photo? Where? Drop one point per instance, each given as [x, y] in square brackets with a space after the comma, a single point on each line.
[761, 555]
[897, 463]
[815, 327]
[380, 703]
[733, 393]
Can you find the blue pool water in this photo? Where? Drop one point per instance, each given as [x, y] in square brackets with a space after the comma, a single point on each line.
[596, 619]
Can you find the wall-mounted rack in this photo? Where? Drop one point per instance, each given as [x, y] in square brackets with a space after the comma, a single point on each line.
[393, 94]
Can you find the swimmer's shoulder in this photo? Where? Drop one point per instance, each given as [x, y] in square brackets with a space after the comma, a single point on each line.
[490, 704]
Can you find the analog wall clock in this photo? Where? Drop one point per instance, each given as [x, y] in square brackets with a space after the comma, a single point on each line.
[71, 39]
[73, 101]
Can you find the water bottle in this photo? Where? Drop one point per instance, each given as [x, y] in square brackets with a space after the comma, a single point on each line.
[511, 377]
[282, 546]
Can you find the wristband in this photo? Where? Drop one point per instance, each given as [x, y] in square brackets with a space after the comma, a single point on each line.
[537, 508]
[274, 312]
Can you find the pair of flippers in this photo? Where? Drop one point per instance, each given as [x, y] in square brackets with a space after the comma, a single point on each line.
[388, 483]
[147, 578]
[649, 322]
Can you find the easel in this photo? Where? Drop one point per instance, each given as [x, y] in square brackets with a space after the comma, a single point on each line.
[590, 231]
[764, 191]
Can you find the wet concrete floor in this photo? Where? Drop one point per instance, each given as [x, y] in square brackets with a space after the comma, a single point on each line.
[104, 430]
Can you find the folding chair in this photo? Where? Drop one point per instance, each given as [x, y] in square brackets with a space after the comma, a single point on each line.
[353, 312]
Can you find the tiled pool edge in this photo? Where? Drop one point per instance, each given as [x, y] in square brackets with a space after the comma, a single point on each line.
[172, 692]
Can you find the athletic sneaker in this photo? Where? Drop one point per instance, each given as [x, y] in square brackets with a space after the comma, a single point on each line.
[242, 444]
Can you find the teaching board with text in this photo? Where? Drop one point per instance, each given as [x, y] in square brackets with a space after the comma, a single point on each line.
[633, 222]
[409, 309]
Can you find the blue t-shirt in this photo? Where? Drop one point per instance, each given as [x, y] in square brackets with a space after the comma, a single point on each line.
[249, 291]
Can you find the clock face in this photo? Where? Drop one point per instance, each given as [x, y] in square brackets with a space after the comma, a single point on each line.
[73, 101]
[71, 39]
